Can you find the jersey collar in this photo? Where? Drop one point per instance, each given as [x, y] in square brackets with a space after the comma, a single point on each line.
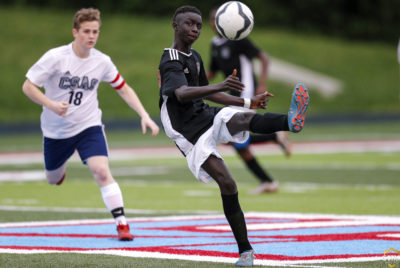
[185, 54]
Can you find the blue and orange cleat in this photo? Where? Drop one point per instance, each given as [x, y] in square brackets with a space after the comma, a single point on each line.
[298, 108]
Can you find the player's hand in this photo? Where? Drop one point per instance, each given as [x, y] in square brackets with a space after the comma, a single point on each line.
[147, 122]
[260, 101]
[260, 89]
[232, 82]
[59, 107]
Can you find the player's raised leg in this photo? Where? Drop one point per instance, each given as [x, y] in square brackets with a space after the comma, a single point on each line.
[271, 122]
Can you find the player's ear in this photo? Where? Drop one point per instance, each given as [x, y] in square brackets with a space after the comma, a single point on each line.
[74, 31]
[175, 25]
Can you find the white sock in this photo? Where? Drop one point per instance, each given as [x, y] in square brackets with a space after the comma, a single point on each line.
[112, 197]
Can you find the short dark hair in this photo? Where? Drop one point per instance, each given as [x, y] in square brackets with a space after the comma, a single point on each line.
[184, 9]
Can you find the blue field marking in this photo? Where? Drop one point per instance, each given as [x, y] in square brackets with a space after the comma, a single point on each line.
[285, 238]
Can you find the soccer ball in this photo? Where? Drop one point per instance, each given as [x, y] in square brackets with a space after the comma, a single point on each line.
[234, 20]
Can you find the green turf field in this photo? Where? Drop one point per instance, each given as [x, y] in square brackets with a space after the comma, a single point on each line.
[348, 183]
[339, 183]
[335, 183]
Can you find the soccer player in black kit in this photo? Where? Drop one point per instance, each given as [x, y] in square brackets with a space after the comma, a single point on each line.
[196, 127]
[227, 55]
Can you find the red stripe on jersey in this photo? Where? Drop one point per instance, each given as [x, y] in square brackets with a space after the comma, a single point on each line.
[115, 80]
[159, 79]
[121, 85]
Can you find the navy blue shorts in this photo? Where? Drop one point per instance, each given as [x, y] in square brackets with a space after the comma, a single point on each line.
[90, 142]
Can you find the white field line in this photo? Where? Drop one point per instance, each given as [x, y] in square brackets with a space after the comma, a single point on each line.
[100, 210]
[325, 147]
[292, 74]
[39, 175]
[191, 215]
[157, 255]
[385, 146]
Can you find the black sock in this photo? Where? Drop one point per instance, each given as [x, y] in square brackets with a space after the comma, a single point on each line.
[116, 212]
[235, 217]
[261, 174]
[262, 138]
[269, 123]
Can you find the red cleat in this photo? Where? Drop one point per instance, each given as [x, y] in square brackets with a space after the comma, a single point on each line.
[123, 232]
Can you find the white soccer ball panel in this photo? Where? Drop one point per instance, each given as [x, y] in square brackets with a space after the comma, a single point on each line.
[234, 20]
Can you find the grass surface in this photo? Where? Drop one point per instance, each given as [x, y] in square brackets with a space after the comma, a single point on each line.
[352, 183]
[347, 184]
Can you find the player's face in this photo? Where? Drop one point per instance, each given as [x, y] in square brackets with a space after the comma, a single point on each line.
[188, 26]
[87, 34]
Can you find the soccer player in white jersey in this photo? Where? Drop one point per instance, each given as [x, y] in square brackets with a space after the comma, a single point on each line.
[71, 117]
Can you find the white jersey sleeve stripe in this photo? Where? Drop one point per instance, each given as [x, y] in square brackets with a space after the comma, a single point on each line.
[173, 54]
[176, 54]
[118, 82]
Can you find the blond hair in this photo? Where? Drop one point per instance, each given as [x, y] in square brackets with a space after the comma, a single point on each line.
[86, 14]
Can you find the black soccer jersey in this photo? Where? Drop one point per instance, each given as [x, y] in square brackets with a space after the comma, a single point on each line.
[227, 55]
[190, 119]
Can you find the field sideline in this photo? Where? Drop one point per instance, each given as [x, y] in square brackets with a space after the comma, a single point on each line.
[320, 147]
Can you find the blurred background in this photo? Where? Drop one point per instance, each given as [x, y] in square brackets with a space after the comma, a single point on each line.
[344, 51]
[346, 160]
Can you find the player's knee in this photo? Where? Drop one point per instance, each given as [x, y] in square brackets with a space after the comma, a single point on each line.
[101, 174]
[228, 186]
[239, 122]
[244, 118]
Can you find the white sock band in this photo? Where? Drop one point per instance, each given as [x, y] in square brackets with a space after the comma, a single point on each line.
[112, 196]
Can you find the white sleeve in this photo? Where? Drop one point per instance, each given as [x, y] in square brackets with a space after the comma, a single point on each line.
[112, 75]
[398, 52]
[41, 70]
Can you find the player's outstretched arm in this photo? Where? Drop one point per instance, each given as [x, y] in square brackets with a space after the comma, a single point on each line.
[37, 96]
[130, 97]
[186, 93]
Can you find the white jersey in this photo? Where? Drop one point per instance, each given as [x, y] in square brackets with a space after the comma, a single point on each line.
[398, 52]
[66, 77]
